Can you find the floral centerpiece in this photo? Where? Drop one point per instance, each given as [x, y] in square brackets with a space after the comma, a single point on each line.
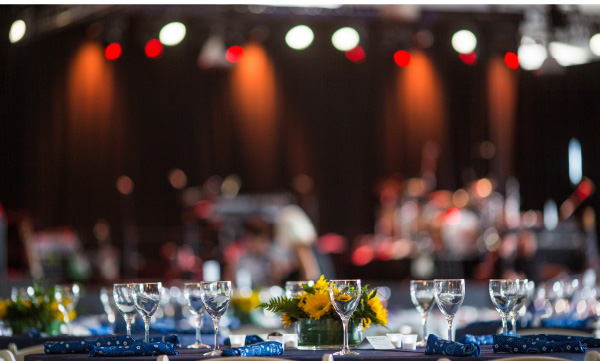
[318, 325]
[35, 309]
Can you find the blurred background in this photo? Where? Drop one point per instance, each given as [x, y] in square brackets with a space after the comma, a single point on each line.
[432, 140]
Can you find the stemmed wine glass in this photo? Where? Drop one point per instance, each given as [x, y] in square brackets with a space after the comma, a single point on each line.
[449, 296]
[123, 295]
[423, 297]
[345, 295]
[520, 301]
[216, 297]
[67, 297]
[106, 298]
[191, 292]
[146, 297]
[504, 296]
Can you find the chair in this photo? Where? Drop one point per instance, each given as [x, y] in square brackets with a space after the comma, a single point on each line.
[6, 355]
[19, 355]
[592, 355]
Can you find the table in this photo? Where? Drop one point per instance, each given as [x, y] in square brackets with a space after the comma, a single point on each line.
[300, 355]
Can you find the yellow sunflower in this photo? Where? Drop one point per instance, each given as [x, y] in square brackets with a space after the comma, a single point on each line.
[377, 307]
[316, 305]
[286, 320]
[366, 322]
[3, 305]
[321, 285]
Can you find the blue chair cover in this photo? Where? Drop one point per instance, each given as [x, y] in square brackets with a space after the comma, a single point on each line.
[480, 340]
[269, 348]
[136, 349]
[437, 346]
[250, 340]
[513, 344]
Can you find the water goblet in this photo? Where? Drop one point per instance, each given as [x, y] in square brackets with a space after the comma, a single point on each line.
[449, 296]
[520, 301]
[146, 297]
[423, 298]
[504, 296]
[216, 297]
[345, 295]
[66, 297]
[192, 295]
[123, 296]
[292, 288]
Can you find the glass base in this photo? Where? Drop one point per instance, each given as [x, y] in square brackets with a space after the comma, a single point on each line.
[214, 353]
[198, 345]
[345, 353]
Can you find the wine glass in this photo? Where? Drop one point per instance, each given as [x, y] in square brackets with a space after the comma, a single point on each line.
[520, 301]
[216, 297]
[423, 297]
[345, 295]
[504, 296]
[449, 296]
[146, 297]
[67, 297]
[123, 295]
[106, 298]
[191, 292]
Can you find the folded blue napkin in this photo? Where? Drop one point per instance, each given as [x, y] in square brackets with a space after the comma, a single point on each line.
[587, 341]
[250, 340]
[513, 344]
[174, 339]
[269, 348]
[480, 340]
[84, 346]
[137, 349]
[437, 346]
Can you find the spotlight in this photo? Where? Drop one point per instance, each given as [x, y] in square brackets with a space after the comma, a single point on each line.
[469, 58]
[299, 37]
[464, 41]
[532, 56]
[345, 39]
[234, 54]
[17, 31]
[153, 48]
[356, 55]
[112, 51]
[402, 58]
[172, 34]
[511, 60]
[595, 44]
[212, 53]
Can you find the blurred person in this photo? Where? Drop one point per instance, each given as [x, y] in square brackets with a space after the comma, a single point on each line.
[256, 254]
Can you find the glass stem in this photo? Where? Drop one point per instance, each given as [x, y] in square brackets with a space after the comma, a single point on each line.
[504, 325]
[345, 324]
[147, 327]
[450, 319]
[514, 324]
[128, 322]
[216, 322]
[198, 328]
[424, 320]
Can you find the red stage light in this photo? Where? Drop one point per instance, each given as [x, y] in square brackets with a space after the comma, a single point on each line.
[584, 190]
[469, 59]
[512, 60]
[402, 58]
[112, 51]
[356, 55]
[153, 48]
[362, 255]
[234, 54]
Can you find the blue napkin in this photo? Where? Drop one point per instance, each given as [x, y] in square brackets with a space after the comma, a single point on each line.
[437, 346]
[137, 349]
[84, 346]
[250, 339]
[587, 341]
[513, 344]
[269, 348]
[174, 339]
[480, 340]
